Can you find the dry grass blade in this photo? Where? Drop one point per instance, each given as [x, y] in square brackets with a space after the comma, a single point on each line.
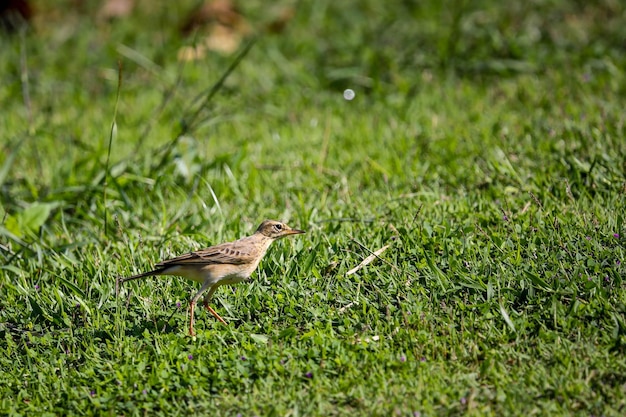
[368, 260]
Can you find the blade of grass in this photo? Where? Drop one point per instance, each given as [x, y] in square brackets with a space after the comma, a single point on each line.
[507, 319]
[204, 99]
[8, 163]
[368, 260]
[112, 133]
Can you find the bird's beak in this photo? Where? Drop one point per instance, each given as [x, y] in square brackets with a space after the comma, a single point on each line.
[294, 232]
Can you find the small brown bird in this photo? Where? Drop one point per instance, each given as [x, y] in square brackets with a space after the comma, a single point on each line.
[227, 263]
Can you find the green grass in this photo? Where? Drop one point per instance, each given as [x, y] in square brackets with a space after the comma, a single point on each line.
[486, 145]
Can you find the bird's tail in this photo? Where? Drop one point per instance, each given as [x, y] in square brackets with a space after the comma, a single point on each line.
[121, 280]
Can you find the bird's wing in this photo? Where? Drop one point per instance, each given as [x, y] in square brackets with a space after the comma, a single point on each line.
[226, 253]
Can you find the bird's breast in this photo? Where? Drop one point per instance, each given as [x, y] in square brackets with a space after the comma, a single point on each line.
[231, 274]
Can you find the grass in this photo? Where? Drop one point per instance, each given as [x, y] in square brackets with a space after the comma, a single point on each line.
[485, 144]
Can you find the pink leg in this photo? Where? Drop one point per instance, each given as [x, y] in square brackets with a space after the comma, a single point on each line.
[194, 300]
[208, 307]
[191, 308]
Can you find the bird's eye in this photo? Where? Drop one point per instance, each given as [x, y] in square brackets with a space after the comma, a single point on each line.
[278, 226]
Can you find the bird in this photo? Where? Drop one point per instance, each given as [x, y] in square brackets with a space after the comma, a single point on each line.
[226, 263]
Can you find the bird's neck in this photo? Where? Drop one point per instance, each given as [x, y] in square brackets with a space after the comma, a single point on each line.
[263, 241]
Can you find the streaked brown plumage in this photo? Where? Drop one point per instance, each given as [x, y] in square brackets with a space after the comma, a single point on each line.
[227, 263]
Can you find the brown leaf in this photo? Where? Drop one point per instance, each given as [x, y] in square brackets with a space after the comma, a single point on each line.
[222, 12]
[279, 23]
[115, 9]
[223, 26]
[223, 39]
[14, 13]
[191, 53]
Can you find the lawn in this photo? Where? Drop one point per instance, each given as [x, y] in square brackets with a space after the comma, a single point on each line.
[484, 148]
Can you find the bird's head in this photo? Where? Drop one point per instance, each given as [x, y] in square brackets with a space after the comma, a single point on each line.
[275, 230]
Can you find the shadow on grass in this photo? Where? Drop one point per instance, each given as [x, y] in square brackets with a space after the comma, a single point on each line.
[28, 332]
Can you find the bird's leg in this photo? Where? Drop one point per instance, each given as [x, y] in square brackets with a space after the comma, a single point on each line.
[208, 307]
[217, 316]
[191, 307]
[194, 300]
